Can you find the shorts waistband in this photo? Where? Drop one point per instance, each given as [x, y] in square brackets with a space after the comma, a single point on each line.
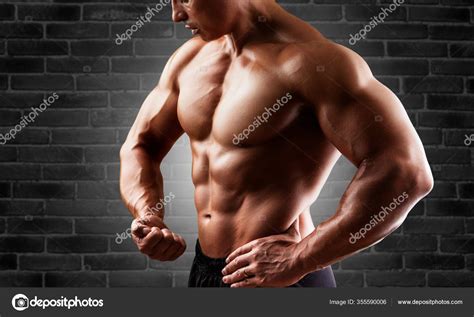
[208, 264]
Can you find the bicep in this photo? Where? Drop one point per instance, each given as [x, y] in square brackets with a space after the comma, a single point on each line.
[157, 127]
[367, 121]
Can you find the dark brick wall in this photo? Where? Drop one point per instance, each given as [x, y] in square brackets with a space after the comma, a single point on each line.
[59, 204]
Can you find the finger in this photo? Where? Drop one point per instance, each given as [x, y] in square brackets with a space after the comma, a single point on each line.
[246, 248]
[237, 263]
[165, 243]
[247, 283]
[137, 230]
[153, 238]
[238, 275]
[180, 250]
[173, 248]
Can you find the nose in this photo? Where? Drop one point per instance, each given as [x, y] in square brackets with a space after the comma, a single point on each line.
[179, 14]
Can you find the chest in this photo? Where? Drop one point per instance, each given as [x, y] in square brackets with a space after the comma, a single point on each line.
[233, 100]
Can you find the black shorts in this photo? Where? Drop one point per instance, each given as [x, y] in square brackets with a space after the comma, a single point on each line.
[206, 272]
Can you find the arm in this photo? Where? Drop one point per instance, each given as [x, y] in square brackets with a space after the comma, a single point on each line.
[152, 135]
[367, 123]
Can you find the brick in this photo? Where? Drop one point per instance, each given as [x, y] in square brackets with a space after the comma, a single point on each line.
[433, 84]
[36, 225]
[313, 13]
[75, 172]
[152, 30]
[42, 82]
[452, 208]
[21, 30]
[140, 279]
[122, 12]
[365, 13]
[452, 67]
[372, 261]
[81, 100]
[184, 262]
[21, 65]
[102, 154]
[466, 190]
[349, 279]
[43, 190]
[157, 47]
[8, 261]
[434, 262]
[51, 154]
[423, 13]
[450, 102]
[21, 244]
[450, 279]
[446, 120]
[448, 156]
[76, 208]
[100, 48]
[115, 262]
[75, 279]
[77, 65]
[19, 172]
[21, 207]
[76, 244]
[416, 49]
[20, 279]
[96, 190]
[103, 225]
[128, 99]
[138, 65]
[433, 225]
[37, 47]
[398, 67]
[113, 118]
[83, 136]
[457, 245]
[49, 12]
[396, 279]
[461, 50]
[7, 12]
[50, 262]
[5, 190]
[453, 33]
[77, 31]
[394, 243]
[112, 82]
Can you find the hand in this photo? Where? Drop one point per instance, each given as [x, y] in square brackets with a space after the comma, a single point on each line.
[154, 239]
[265, 262]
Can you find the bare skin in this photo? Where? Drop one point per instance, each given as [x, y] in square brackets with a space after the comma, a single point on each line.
[253, 195]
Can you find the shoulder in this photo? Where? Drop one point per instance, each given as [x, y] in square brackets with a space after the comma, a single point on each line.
[323, 65]
[179, 60]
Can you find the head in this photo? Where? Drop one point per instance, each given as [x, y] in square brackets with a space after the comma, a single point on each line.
[212, 19]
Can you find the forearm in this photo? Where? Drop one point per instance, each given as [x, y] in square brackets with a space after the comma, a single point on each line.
[375, 204]
[141, 181]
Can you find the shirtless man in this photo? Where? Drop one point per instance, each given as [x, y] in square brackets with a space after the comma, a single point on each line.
[269, 105]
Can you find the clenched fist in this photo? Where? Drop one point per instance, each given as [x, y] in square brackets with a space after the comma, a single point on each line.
[154, 239]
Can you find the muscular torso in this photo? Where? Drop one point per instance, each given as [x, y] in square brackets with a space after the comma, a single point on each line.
[261, 185]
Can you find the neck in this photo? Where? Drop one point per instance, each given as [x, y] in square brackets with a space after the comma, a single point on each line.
[254, 18]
